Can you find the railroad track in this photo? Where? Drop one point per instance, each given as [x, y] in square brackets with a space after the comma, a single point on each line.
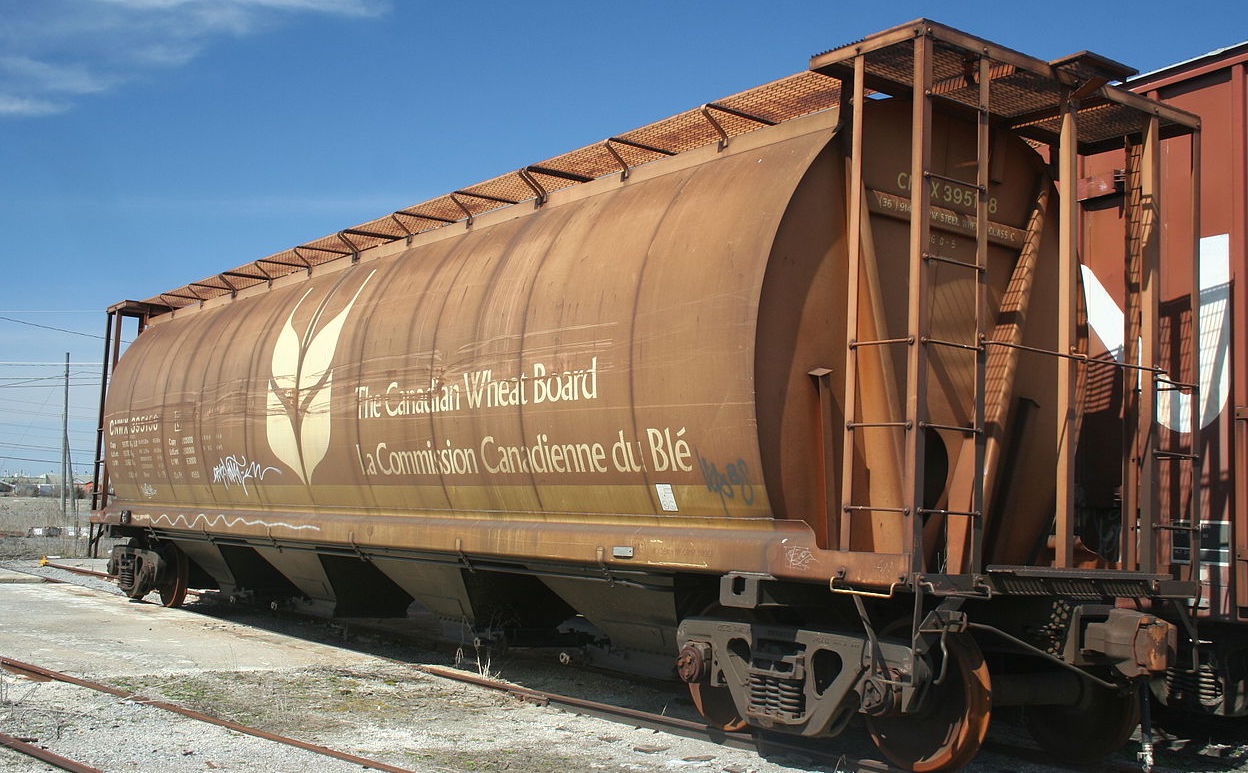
[817, 753]
[39, 673]
[622, 714]
[55, 760]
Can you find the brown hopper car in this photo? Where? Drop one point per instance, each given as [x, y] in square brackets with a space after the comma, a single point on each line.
[1213, 87]
[779, 396]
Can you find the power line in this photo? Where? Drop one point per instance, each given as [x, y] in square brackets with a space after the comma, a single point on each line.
[18, 380]
[49, 386]
[57, 329]
[33, 423]
[11, 403]
[19, 364]
[60, 379]
[78, 418]
[30, 447]
[14, 412]
[41, 461]
[82, 436]
[31, 426]
[29, 385]
[46, 378]
[7, 400]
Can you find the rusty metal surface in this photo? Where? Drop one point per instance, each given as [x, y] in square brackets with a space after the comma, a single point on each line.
[1027, 92]
[43, 755]
[1212, 87]
[462, 362]
[628, 364]
[77, 570]
[1209, 259]
[1014, 522]
[679, 333]
[625, 343]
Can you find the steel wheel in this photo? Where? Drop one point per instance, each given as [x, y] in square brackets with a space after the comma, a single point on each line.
[717, 707]
[715, 704]
[173, 588]
[1101, 723]
[951, 727]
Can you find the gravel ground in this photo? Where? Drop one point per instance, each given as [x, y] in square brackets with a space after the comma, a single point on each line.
[386, 712]
[373, 708]
[376, 708]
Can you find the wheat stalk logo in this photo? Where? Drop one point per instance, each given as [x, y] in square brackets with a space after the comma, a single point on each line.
[301, 385]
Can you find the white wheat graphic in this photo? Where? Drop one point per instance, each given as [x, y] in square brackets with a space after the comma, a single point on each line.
[300, 387]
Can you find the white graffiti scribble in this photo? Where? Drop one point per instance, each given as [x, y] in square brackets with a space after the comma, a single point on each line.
[220, 519]
[148, 490]
[235, 470]
[798, 557]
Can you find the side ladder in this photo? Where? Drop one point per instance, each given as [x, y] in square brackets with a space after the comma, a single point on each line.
[1146, 532]
[966, 521]
[117, 314]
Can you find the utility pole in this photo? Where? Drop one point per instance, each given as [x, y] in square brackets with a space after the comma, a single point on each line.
[66, 468]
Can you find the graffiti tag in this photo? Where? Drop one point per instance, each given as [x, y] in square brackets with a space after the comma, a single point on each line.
[235, 470]
[732, 483]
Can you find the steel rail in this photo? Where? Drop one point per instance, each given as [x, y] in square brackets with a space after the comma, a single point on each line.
[661, 722]
[43, 755]
[737, 740]
[87, 572]
[38, 672]
[674, 725]
[77, 570]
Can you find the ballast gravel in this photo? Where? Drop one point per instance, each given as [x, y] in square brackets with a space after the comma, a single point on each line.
[385, 712]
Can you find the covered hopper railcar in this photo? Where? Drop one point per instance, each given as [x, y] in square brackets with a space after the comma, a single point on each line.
[785, 405]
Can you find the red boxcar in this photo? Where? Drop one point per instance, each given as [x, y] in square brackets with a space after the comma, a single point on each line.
[1212, 86]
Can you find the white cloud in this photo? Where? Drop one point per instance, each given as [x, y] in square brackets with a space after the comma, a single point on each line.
[26, 106]
[55, 50]
[51, 78]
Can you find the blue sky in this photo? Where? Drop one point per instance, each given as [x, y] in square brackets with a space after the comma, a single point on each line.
[148, 143]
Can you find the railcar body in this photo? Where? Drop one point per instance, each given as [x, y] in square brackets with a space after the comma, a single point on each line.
[1211, 260]
[787, 409]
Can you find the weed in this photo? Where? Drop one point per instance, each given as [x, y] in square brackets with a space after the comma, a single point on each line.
[483, 664]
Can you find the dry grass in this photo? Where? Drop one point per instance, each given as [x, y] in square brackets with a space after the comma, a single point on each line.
[19, 515]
